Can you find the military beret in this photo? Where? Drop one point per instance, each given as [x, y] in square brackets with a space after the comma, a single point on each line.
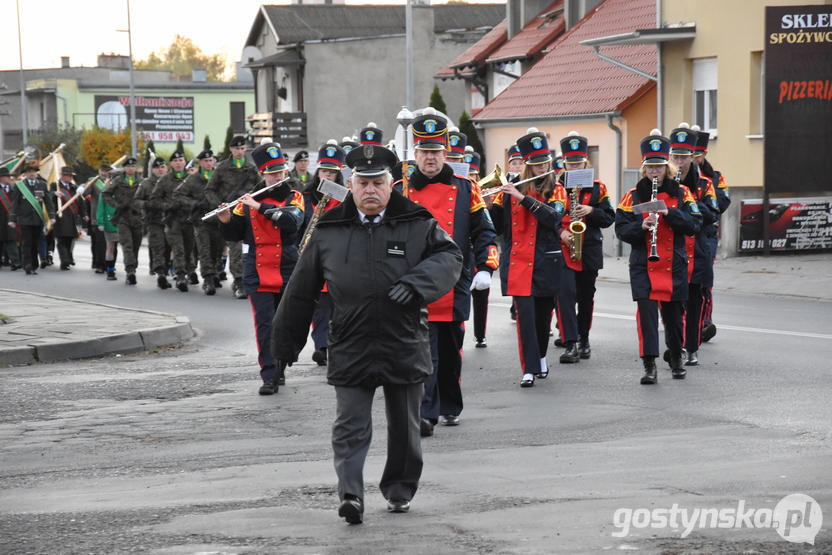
[158, 162]
[238, 140]
[176, 154]
[205, 154]
[301, 155]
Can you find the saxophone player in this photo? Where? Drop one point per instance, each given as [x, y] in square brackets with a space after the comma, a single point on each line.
[660, 286]
[583, 253]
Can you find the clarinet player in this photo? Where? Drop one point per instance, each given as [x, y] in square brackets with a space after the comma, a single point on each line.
[659, 283]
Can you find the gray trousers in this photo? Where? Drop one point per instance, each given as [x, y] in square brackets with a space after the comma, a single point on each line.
[353, 431]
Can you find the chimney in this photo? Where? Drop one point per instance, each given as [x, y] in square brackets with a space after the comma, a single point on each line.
[198, 76]
[64, 61]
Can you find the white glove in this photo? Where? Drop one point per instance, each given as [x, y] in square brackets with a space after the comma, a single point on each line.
[80, 190]
[482, 280]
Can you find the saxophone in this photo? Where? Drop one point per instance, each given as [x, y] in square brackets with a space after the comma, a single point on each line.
[576, 225]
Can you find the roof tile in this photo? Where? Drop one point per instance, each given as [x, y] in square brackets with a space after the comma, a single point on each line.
[571, 80]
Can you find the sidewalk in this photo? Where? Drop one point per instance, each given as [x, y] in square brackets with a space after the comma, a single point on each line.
[47, 329]
[802, 276]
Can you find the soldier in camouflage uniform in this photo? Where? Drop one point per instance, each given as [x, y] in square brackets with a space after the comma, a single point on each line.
[231, 179]
[191, 195]
[178, 230]
[119, 193]
[156, 242]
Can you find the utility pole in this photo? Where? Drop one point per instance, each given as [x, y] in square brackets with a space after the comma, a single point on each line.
[24, 109]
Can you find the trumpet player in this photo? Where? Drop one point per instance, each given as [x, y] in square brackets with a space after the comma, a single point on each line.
[588, 211]
[659, 256]
[268, 228]
[330, 162]
[683, 141]
[528, 218]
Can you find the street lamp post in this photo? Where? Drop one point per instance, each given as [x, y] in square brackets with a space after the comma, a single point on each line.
[133, 139]
[24, 109]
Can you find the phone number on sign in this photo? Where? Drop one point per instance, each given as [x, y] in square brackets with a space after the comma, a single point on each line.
[168, 136]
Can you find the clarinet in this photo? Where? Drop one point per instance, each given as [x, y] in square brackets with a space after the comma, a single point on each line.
[654, 252]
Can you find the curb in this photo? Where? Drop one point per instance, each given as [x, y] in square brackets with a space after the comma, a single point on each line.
[99, 347]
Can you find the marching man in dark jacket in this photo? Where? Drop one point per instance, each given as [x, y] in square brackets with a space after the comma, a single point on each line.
[384, 259]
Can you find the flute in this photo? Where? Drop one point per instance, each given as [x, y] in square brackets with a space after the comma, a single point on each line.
[493, 190]
[232, 204]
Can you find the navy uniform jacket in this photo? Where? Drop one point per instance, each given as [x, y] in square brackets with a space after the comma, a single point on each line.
[23, 213]
[456, 204]
[702, 269]
[529, 262]
[666, 279]
[602, 217]
[270, 251]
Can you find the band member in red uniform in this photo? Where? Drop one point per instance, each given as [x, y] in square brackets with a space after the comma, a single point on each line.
[723, 198]
[701, 271]
[583, 255]
[456, 204]
[330, 162]
[658, 285]
[529, 219]
[268, 226]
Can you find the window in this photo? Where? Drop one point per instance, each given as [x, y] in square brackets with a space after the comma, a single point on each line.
[238, 116]
[705, 94]
[594, 159]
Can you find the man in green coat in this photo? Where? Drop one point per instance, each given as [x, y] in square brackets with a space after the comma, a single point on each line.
[127, 217]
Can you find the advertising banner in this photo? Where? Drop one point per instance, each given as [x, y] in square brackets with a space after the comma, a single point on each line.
[160, 119]
[794, 223]
[798, 98]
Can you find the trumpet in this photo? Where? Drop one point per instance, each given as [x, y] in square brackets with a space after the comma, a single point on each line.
[493, 180]
[232, 204]
[493, 190]
[654, 253]
[576, 224]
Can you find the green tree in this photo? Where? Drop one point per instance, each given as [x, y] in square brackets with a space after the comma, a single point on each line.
[436, 100]
[226, 152]
[183, 56]
[206, 144]
[51, 135]
[467, 126]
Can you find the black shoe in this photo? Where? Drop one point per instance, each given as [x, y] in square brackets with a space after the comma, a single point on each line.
[222, 276]
[668, 357]
[152, 272]
[193, 278]
[708, 332]
[692, 360]
[100, 270]
[43, 264]
[319, 356]
[237, 289]
[208, 287]
[558, 342]
[269, 387]
[15, 267]
[28, 269]
[678, 367]
[570, 355]
[162, 282]
[72, 262]
[64, 265]
[217, 282]
[397, 506]
[131, 279]
[352, 509]
[584, 350]
[111, 275]
[481, 343]
[425, 427]
[649, 377]
[182, 283]
[527, 381]
[449, 420]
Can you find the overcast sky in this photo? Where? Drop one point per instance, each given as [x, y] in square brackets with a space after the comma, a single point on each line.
[83, 30]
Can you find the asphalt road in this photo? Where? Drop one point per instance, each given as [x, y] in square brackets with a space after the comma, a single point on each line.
[174, 452]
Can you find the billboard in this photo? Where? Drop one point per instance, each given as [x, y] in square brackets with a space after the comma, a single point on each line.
[160, 119]
[794, 224]
[798, 98]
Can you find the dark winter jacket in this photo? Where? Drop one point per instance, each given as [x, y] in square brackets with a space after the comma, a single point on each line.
[372, 340]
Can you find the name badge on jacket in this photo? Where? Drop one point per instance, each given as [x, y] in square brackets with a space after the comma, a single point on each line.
[395, 248]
